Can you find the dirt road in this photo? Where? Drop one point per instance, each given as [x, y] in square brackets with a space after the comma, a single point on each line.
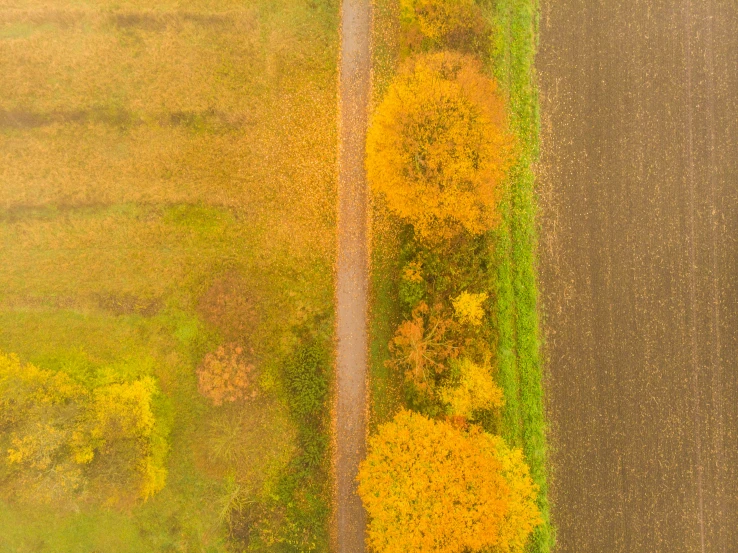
[639, 262]
[352, 273]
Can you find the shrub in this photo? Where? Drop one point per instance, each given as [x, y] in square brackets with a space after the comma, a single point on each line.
[476, 390]
[439, 21]
[430, 487]
[468, 307]
[225, 376]
[422, 345]
[306, 381]
[118, 431]
[60, 438]
[412, 284]
[438, 148]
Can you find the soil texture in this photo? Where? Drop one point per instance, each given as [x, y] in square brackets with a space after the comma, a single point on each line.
[639, 270]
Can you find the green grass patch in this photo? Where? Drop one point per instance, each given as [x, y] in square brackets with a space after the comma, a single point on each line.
[515, 24]
[385, 307]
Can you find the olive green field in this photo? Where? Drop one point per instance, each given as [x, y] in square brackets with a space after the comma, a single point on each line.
[154, 162]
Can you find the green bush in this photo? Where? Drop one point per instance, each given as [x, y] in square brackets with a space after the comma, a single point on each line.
[306, 381]
[411, 293]
[293, 516]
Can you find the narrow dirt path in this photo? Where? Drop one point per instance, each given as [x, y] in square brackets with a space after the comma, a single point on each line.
[352, 272]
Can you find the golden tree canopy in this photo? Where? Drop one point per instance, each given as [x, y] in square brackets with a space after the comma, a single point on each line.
[468, 307]
[432, 488]
[438, 148]
[475, 390]
[61, 439]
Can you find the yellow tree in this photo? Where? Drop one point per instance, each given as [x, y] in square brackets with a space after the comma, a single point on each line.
[432, 488]
[60, 440]
[438, 148]
[475, 390]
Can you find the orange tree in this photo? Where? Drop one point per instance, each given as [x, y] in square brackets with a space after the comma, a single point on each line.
[422, 346]
[430, 487]
[225, 376]
[438, 148]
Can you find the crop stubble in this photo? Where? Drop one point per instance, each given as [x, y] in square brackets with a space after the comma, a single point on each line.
[638, 267]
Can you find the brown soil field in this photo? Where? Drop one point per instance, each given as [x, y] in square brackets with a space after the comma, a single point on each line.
[352, 274]
[639, 270]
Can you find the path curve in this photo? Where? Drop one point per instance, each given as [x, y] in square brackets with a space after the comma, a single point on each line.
[352, 273]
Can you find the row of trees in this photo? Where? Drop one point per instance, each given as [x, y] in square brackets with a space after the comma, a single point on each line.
[436, 479]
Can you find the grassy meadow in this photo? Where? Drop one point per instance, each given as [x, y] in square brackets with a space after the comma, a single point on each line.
[510, 258]
[154, 167]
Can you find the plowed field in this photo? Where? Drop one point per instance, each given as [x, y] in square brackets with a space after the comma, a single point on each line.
[639, 267]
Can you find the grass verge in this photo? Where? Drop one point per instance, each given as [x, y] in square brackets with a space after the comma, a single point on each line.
[386, 311]
[511, 59]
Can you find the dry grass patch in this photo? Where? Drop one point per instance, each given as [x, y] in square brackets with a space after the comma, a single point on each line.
[168, 186]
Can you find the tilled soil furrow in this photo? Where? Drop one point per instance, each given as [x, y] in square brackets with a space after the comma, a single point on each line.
[639, 269]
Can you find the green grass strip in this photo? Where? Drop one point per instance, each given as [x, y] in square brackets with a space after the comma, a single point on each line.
[520, 367]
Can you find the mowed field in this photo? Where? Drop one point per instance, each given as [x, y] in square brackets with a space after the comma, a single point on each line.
[639, 263]
[167, 185]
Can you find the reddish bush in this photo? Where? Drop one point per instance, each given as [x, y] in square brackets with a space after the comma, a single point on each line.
[225, 376]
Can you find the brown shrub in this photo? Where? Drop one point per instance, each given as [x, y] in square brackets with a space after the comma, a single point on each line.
[225, 376]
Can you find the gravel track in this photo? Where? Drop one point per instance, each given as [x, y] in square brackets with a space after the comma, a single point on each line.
[352, 274]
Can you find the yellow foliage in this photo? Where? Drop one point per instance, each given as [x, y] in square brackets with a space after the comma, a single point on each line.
[53, 430]
[432, 488]
[121, 412]
[413, 272]
[522, 515]
[437, 19]
[468, 307]
[438, 148]
[476, 390]
[124, 409]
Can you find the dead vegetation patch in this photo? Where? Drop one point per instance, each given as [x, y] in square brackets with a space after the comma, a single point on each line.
[128, 304]
[211, 119]
[230, 306]
[157, 21]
